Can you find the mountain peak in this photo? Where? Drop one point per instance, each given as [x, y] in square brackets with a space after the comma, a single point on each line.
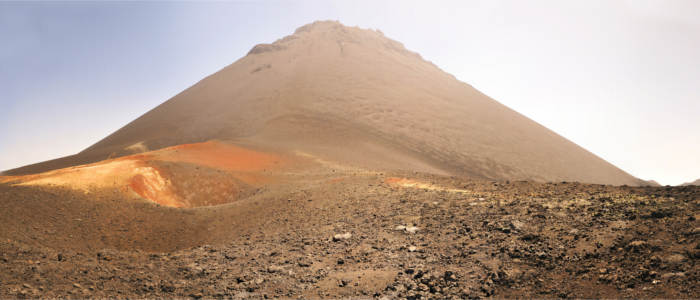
[355, 97]
[327, 25]
[335, 32]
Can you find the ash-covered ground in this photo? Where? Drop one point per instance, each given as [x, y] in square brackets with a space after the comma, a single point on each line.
[365, 237]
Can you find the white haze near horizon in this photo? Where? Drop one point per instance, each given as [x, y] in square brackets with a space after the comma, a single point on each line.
[619, 78]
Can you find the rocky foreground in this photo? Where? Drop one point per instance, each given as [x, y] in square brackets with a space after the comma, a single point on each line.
[366, 237]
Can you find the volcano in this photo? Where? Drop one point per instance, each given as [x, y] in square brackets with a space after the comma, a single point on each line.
[355, 97]
[334, 163]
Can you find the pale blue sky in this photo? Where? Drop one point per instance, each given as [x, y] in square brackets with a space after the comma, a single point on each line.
[620, 78]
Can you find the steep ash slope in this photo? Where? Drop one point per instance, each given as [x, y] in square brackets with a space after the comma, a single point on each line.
[354, 96]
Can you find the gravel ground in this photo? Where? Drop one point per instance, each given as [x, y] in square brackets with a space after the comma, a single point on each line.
[361, 237]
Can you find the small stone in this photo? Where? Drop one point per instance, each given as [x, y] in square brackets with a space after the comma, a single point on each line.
[450, 276]
[400, 227]
[274, 269]
[304, 263]
[412, 249]
[675, 258]
[103, 255]
[77, 285]
[411, 229]
[343, 236]
[636, 245]
[672, 275]
[167, 288]
[517, 225]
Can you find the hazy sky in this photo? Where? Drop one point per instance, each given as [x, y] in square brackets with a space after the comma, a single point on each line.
[620, 78]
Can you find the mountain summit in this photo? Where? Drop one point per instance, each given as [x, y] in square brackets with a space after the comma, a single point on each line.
[355, 97]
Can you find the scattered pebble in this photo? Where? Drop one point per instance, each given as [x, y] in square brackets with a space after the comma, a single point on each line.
[411, 229]
[342, 236]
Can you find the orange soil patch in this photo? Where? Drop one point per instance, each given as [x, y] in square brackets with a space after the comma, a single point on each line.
[220, 155]
[139, 174]
[396, 180]
[154, 188]
[336, 180]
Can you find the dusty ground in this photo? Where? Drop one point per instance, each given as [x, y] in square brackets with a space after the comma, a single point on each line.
[408, 236]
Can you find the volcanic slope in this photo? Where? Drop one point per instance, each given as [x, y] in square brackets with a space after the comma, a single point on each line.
[356, 97]
[696, 182]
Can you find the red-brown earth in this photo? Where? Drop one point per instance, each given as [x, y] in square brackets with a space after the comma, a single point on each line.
[190, 175]
[297, 226]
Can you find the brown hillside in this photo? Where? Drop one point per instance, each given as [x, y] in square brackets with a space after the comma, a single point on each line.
[696, 182]
[357, 97]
